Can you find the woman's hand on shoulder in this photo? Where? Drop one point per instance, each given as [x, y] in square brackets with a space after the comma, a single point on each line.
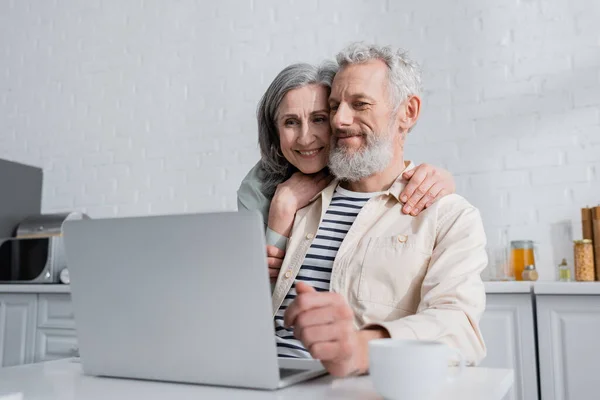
[292, 195]
[426, 185]
[296, 192]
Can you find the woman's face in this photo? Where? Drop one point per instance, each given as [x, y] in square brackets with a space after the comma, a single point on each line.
[303, 126]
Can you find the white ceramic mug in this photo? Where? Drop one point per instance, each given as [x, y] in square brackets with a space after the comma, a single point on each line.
[411, 369]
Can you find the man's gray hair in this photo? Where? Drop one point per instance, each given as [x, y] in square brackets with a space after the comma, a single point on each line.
[275, 168]
[404, 73]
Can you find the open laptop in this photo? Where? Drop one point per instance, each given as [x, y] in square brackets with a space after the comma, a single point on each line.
[181, 298]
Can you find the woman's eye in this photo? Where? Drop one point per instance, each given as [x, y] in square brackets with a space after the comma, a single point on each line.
[319, 120]
[360, 104]
[290, 122]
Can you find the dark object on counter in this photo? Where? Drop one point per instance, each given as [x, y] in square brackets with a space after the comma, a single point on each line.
[596, 240]
[20, 194]
[586, 223]
[36, 254]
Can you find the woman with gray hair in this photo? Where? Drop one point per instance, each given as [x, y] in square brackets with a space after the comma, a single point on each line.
[294, 137]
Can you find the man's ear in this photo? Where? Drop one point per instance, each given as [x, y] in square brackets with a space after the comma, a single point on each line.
[409, 113]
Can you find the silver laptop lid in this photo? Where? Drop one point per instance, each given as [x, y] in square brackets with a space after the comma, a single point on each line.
[179, 298]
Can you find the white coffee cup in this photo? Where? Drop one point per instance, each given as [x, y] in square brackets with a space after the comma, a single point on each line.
[411, 369]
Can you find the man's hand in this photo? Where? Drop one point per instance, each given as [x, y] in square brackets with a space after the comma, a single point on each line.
[274, 260]
[427, 184]
[323, 322]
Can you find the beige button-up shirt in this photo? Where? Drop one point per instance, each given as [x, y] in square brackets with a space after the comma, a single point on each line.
[418, 277]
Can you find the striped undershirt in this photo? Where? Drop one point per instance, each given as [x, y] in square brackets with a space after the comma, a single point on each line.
[317, 265]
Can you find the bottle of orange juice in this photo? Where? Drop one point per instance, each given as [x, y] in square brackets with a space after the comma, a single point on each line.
[521, 255]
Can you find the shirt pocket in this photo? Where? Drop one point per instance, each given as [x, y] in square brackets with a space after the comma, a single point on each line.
[392, 272]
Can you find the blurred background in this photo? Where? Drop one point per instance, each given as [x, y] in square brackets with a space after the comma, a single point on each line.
[148, 107]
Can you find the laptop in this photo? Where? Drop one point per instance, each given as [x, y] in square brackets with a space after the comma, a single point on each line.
[179, 298]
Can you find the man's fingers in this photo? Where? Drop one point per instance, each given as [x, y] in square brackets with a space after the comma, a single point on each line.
[308, 301]
[324, 351]
[323, 333]
[302, 287]
[335, 351]
[276, 252]
[330, 313]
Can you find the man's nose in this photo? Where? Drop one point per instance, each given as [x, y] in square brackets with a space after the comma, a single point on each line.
[342, 117]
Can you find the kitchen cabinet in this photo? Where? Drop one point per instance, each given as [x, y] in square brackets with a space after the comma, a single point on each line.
[36, 324]
[17, 328]
[546, 325]
[568, 327]
[507, 326]
[54, 344]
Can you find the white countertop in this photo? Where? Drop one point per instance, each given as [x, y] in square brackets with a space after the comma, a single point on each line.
[508, 287]
[64, 380]
[491, 287]
[567, 288]
[543, 287]
[34, 288]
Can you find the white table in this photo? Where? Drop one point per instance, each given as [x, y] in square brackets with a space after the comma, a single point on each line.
[64, 380]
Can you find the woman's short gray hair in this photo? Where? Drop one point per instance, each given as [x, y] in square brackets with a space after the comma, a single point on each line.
[404, 73]
[274, 166]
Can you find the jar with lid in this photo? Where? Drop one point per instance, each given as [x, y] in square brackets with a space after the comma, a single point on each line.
[530, 273]
[521, 255]
[564, 273]
[584, 260]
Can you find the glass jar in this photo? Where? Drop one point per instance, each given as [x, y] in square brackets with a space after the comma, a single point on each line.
[564, 273]
[584, 260]
[521, 255]
[530, 274]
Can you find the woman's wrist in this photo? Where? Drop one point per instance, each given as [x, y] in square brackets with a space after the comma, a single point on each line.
[281, 216]
[282, 206]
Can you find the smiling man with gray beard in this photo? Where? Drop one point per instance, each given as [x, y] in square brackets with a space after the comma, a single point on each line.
[357, 268]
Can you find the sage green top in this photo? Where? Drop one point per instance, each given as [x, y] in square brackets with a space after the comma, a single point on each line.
[251, 197]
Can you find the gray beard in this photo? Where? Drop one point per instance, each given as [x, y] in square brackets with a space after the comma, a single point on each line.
[373, 158]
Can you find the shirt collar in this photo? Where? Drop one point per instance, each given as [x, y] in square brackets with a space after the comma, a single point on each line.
[400, 183]
[394, 190]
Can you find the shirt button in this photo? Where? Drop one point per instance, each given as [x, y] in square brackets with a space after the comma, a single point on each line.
[402, 238]
[310, 236]
[288, 274]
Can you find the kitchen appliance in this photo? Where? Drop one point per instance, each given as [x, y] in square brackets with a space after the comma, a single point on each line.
[20, 194]
[36, 254]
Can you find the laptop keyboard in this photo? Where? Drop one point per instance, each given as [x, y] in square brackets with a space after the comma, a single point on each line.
[285, 372]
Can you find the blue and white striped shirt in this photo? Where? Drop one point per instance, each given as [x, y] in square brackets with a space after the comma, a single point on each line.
[316, 268]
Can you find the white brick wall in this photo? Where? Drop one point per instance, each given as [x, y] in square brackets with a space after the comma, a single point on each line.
[137, 108]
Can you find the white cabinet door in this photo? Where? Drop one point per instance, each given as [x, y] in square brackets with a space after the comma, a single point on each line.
[569, 343]
[507, 326]
[54, 344]
[55, 311]
[56, 336]
[17, 328]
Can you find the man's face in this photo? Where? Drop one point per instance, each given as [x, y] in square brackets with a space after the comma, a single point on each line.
[362, 121]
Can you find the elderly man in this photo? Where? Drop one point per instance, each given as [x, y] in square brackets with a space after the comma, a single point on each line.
[357, 268]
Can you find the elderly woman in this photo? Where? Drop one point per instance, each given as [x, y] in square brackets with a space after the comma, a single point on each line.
[294, 137]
